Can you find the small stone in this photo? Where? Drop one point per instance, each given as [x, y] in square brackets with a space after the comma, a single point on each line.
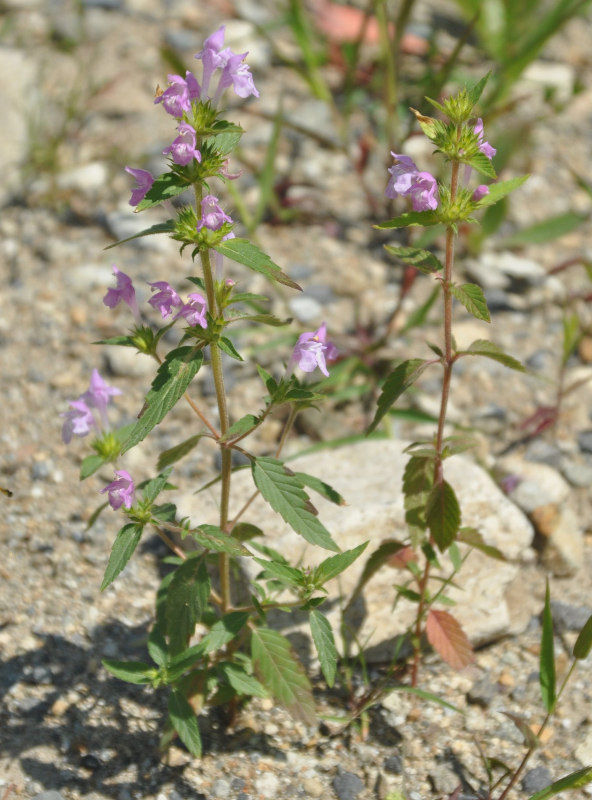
[569, 618]
[267, 784]
[585, 349]
[49, 795]
[564, 552]
[481, 693]
[221, 789]
[313, 787]
[585, 441]
[443, 779]
[536, 779]
[305, 309]
[347, 786]
[545, 519]
[393, 764]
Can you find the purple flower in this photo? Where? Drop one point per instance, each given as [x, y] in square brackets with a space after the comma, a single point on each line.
[480, 192]
[144, 180]
[79, 420]
[194, 311]
[313, 350]
[98, 395]
[123, 291]
[235, 72]
[183, 149]
[407, 180]
[176, 100]
[121, 490]
[165, 298]
[485, 147]
[213, 57]
[238, 75]
[212, 216]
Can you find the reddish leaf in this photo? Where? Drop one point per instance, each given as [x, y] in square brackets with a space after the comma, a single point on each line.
[402, 558]
[448, 639]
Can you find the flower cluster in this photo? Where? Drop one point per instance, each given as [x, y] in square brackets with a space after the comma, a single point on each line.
[407, 181]
[89, 411]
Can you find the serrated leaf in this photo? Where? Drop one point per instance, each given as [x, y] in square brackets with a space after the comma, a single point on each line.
[174, 454]
[584, 641]
[402, 377]
[499, 190]
[575, 780]
[324, 642]
[280, 671]
[448, 639]
[247, 253]
[245, 424]
[172, 379]
[165, 187]
[281, 572]
[225, 137]
[131, 671]
[411, 218]
[423, 260]
[160, 227]
[187, 598]
[483, 347]
[241, 681]
[473, 538]
[245, 531]
[482, 164]
[157, 647]
[530, 738]
[227, 347]
[335, 565]
[183, 661]
[185, 722]
[213, 538]
[90, 465]
[285, 494]
[224, 631]
[443, 515]
[547, 656]
[475, 91]
[320, 487]
[152, 488]
[473, 299]
[124, 545]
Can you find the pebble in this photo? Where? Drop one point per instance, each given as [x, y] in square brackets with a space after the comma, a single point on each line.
[536, 779]
[443, 779]
[347, 786]
[267, 784]
[567, 617]
[393, 764]
[482, 693]
[221, 789]
[585, 441]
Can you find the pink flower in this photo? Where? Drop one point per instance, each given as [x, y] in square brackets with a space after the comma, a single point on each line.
[98, 395]
[485, 147]
[176, 100]
[165, 298]
[144, 180]
[212, 215]
[194, 311]
[407, 180]
[79, 420]
[313, 350]
[183, 149]
[121, 490]
[124, 291]
[480, 192]
[235, 72]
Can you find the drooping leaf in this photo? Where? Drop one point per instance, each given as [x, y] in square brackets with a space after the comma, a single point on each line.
[245, 252]
[448, 639]
[224, 631]
[280, 671]
[483, 347]
[165, 187]
[546, 231]
[213, 538]
[473, 538]
[285, 494]
[90, 465]
[402, 377]
[160, 227]
[443, 515]
[131, 671]
[530, 738]
[241, 681]
[227, 347]
[322, 488]
[324, 642]
[575, 780]
[547, 656]
[187, 599]
[172, 379]
[423, 260]
[174, 454]
[411, 218]
[123, 547]
[334, 565]
[185, 722]
[473, 299]
[584, 641]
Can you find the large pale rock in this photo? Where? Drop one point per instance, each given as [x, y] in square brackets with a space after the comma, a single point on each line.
[16, 117]
[369, 476]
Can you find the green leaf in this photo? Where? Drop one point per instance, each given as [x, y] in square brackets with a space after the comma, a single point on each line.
[422, 260]
[245, 531]
[263, 319]
[157, 647]
[122, 341]
[187, 598]
[380, 556]
[90, 465]
[174, 454]
[131, 671]
[482, 347]
[584, 641]
[473, 299]
[571, 335]
[124, 545]
[225, 136]
[245, 424]
[324, 642]
[428, 696]
[224, 631]
[575, 780]
[282, 572]
[185, 722]
[241, 681]
[183, 661]
[247, 253]
[423, 218]
[334, 565]
[322, 488]
[547, 656]
[546, 231]
[473, 538]
[474, 92]
[281, 673]
[227, 347]
[160, 227]
[172, 379]
[443, 515]
[213, 538]
[165, 187]
[152, 488]
[397, 382]
[499, 190]
[482, 164]
[285, 494]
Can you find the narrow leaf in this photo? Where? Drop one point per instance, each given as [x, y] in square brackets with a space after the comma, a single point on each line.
[285, 494]
[397, 382]
[423, 218]
[157, 647]
[474, 92]
[281, 572]
[247, 253]
[584, 641]
[443, 515]
[187, 599]
[322, 488]
[473, 538]
[324, 642]
[185, 722]
[160, 227]
[174, 454]
[224, 631]
[427, 696]
[448, 639]
[334, 565]
[499, 190]
[125, 543]
[546, 231]
[530, 738]
[547, 656]
[90, 465]
[183, 661]
[473, 299]
[131, 671]
[483, 347]
[213, 538]
[172, 379]
[423, 260]
[121, 341]
[242, 426]
[241, 681]
[575, 780]
[227, 347]
[152, 488]
[281, 673]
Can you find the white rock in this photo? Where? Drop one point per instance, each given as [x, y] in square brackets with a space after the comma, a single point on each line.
[305, 309]
[87, 178]
[17, 105]
[497, 270]
[540, 484]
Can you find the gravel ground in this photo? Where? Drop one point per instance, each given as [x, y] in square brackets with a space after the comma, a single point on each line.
[65, 724]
